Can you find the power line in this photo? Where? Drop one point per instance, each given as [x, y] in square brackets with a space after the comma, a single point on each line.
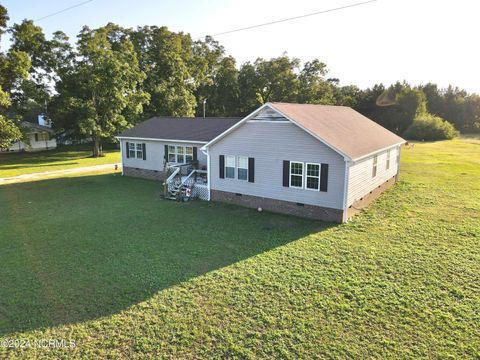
[63, 10]
[294, 18]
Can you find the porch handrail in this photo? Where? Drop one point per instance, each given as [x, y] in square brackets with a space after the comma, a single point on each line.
[170, 178]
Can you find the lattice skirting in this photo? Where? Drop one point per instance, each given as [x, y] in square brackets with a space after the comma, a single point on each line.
[200, 191]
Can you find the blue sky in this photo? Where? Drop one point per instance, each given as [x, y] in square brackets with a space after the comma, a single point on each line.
[384, 41]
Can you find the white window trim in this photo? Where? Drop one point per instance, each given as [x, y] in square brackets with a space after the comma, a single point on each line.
[290, 175]
[307, 176]
[375, 166]
[176, 154]
[234, 167]
[387, 164]
[139, 150]
[244, 168]
[134, 150]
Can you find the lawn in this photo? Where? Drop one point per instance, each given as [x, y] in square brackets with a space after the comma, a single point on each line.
[65, 157]
[103, 261]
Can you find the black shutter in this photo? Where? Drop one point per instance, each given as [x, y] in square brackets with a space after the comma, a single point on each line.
[251, 169]
[127, 149]
[195, 153]
[144, 148]
[166, 153]
[324, 177]
[222, 166]
[286, 173]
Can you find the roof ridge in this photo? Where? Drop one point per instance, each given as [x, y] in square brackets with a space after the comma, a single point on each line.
[308, 104]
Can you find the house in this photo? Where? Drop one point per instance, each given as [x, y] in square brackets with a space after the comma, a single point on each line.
[40, 137]
[316, 161]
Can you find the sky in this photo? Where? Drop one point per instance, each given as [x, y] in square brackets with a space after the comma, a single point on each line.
[384, 41]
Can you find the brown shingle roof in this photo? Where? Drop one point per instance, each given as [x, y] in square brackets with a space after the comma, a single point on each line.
[344, 129]
[181, 128]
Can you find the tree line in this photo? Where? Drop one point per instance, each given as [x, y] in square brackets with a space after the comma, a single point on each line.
[114, 77]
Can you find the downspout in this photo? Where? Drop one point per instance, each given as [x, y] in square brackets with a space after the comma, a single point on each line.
[207, 152]
[345, 191]
[121, 153]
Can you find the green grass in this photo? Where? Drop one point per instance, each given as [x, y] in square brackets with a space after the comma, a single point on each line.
[66, 157]
[102, 261]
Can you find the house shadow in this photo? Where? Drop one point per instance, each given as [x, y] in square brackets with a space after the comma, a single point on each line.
[74, 249]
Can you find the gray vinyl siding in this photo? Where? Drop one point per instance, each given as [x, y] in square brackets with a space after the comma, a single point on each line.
[270, 143]
[360, 180]
[155, 154]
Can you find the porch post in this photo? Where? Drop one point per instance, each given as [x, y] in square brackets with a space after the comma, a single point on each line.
[208, 174]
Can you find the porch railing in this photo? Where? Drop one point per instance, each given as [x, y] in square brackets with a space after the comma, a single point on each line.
[194, 185]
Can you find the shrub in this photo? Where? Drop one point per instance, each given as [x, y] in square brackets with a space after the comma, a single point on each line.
[429, 127]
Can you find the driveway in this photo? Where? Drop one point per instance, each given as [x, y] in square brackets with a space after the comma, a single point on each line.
[59, 173]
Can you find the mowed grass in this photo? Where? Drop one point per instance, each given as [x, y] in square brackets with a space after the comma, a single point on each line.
[65, 157]
[102, 261]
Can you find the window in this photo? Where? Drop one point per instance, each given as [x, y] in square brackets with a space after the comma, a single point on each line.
[230, 167]
[180, 154]
[172, 156]
[135, 150]
[374, 170]
[242, 168]
[296, 174]
[131, 150]
[313, 176]
[43, 136]
[188, 154]
[139, 151]
[388, 160]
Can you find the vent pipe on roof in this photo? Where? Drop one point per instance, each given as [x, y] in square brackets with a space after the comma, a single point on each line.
[204, 102]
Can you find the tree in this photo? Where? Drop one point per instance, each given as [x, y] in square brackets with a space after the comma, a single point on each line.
[248, 83]
[47, 57]
[349, 95]
[105, 84]
[277, 80]
[14, 67]
[268, 80]
[222, 93]
[430, 128]
[167, 59]
[313, 87]
[394, 107]
[9, 133]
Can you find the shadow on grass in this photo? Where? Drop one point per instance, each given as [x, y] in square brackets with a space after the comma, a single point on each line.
[74, 249]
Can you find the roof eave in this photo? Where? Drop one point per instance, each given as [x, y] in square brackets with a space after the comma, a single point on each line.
[122, 137]
[379, 150]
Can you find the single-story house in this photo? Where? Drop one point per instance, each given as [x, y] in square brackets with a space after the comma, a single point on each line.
[40, 138]
[317, 161]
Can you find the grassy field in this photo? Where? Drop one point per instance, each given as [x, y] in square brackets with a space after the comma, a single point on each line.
[101, 260]
[66, 157]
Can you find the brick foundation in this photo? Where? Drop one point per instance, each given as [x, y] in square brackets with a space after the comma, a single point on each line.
[144, 173]
[279, 206]
[367, 199]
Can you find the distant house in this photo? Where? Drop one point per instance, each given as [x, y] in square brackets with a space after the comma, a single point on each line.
[40, 138]
[316, 161]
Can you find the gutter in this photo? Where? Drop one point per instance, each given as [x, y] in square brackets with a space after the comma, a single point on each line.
[345, 190]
